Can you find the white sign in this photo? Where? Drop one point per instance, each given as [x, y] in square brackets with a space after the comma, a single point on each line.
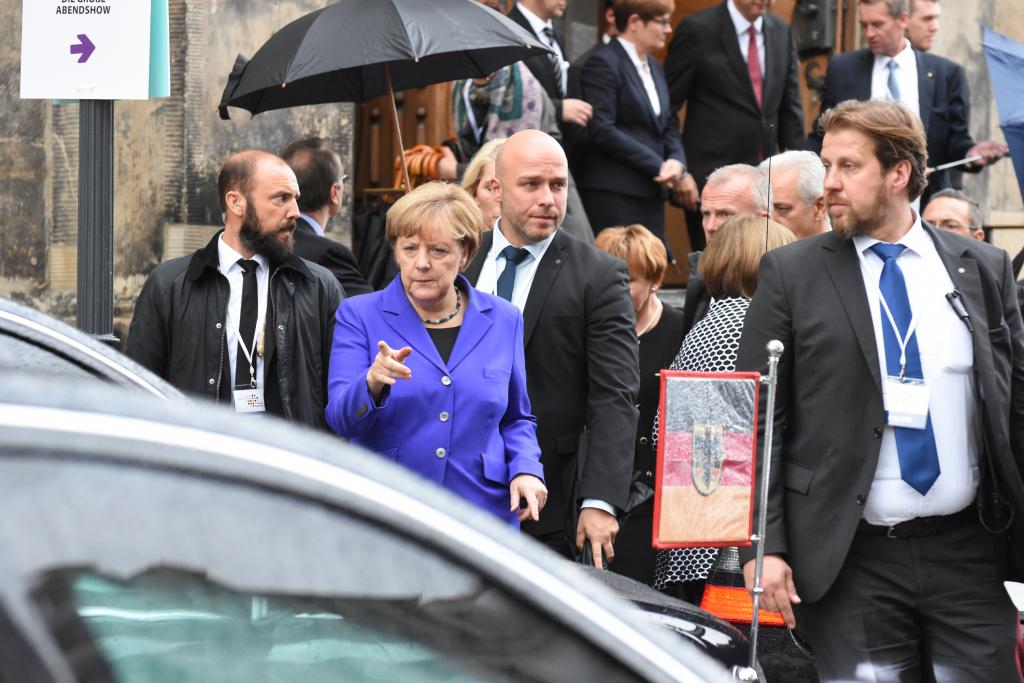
[85, 49]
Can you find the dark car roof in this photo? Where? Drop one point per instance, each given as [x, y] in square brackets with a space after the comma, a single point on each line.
[103, 423]
[77, 349]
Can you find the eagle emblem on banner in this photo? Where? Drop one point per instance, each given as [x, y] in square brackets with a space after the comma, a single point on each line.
[708, 455]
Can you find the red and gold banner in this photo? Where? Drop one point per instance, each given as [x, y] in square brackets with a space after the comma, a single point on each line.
[704, 491]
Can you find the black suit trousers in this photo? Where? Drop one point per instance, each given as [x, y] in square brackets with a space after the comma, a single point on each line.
[916, 609]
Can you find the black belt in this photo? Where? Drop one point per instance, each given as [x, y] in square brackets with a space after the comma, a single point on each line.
[922, 526]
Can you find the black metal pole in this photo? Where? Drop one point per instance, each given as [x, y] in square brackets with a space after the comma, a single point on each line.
[95, 309]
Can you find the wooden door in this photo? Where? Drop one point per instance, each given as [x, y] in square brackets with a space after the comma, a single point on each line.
[425, 116]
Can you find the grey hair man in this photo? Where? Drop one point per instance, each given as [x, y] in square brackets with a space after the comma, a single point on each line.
[954, 210]
[731, 191]
[798, 192]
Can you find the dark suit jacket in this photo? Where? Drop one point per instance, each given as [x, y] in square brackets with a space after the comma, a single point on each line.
[582, 369]
[540, 66]
[942, 95]
[706, 71]
[829, 416]
[628, 142]
[333, 256]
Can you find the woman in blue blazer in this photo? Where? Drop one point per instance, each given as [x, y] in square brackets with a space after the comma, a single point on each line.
[431, 373]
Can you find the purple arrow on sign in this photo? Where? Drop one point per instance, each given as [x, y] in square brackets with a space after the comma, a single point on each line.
[84, 49]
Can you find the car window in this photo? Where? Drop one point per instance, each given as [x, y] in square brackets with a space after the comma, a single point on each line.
[177, 626]
[168, 575]
[19, 355]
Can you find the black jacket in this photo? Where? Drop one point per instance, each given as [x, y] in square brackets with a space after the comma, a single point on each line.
[707, 72]
[334, 256]
[179, 331]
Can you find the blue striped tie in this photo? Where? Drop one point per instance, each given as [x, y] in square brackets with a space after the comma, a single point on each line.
[919, 459]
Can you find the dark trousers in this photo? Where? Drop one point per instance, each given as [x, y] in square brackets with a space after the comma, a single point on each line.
[608, 209]
[919, 609]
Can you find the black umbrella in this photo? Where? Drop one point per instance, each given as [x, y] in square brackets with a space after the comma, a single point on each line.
[356, 50]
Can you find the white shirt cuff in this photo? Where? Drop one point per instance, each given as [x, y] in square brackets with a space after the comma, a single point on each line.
[599, 504]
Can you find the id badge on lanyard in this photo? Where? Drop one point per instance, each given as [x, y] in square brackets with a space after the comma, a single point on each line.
[249, 399]
[905, 398]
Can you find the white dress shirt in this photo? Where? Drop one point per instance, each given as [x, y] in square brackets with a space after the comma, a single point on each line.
[742, 26]
[487, 282]
[906, 77]
[947, 358]
[495, 264]
[538, 25]
[644, 69]
[233, 272]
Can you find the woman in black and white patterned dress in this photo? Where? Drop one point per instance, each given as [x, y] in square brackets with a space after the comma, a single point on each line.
[729, 268]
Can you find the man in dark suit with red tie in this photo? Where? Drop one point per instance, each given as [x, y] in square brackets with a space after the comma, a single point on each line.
[733, 93]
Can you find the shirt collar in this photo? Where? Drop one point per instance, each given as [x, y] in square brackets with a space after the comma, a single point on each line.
[536, 23]
[630, 49]
[536, 249]
[228, 257]
[740, 21]
[916, 239]
[904, 57]
[317, 228]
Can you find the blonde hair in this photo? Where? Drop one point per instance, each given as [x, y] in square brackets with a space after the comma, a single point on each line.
[729, 264]
[638, 247]
[474, 172]
[445, 206]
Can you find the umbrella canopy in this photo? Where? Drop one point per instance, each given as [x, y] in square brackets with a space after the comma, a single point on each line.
[339, 53]
[1005, 67]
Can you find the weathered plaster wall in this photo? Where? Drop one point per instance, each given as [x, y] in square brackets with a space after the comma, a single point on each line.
[167, 153]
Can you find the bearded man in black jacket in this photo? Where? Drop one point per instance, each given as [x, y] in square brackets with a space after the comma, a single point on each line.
[244, 320]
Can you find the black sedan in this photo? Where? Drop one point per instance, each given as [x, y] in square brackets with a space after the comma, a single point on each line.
[152, 541]
[38, 344]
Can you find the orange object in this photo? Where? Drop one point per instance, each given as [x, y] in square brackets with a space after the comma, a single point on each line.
[734, 604]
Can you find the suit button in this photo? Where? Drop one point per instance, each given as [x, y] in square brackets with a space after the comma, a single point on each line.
[440, 452]
[649, 474]
[643, 440]
[877, 433]
[362, 410]
[860, 499]
[446, 380]
[443, 417]
[212, 381]
[219, 325]
[835, 521]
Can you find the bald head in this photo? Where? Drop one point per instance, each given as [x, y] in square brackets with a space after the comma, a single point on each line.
[238, 172]
[532, 179]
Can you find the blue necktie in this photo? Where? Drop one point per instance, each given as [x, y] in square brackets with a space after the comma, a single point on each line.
[919, 460]
[894, 86]
[507, 280]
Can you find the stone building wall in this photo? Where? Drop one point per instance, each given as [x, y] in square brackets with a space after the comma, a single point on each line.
[167, 154]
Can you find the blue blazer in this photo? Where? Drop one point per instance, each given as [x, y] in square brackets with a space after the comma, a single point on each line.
[465, 425]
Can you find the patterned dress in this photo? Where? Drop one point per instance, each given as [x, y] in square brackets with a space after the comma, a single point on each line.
[710, 346]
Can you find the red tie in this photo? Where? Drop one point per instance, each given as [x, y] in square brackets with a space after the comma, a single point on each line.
[754, 64]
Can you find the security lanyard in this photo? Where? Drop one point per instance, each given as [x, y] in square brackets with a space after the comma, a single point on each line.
[249, 353]
[902, 341]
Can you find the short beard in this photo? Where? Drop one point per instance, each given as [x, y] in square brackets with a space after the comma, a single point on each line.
[266, 243]
[863, 225]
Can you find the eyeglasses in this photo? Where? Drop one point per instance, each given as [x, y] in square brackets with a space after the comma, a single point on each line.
[343, 178]
[665, 23]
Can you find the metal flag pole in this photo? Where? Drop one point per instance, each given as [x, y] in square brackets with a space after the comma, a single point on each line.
[775, 349]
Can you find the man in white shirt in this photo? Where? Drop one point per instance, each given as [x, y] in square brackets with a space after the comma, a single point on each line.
[243, 320]
[582, 367]
[933, 87]
[551, 70]
[895, 493]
